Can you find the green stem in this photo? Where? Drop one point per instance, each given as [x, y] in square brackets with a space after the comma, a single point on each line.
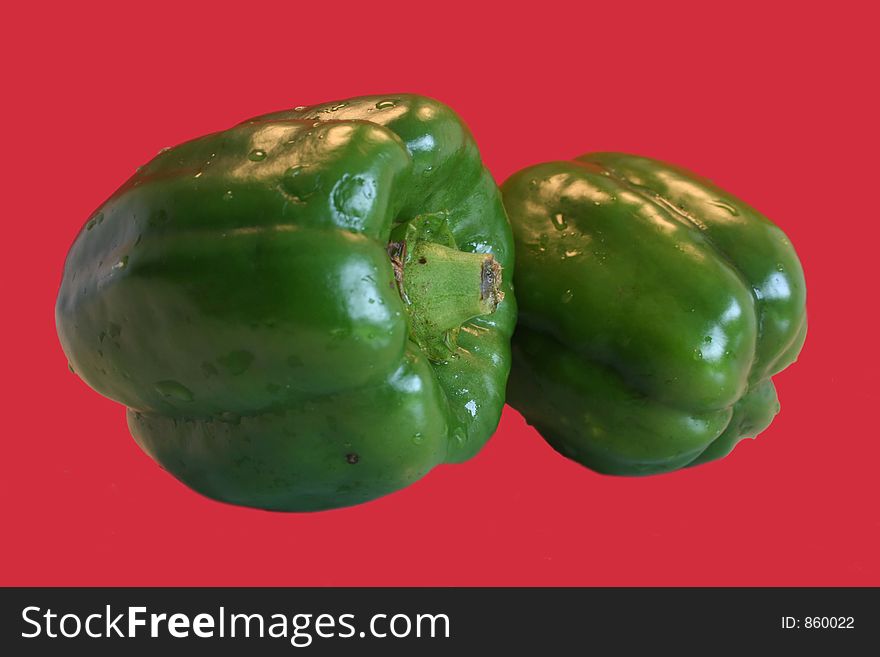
[444, 288]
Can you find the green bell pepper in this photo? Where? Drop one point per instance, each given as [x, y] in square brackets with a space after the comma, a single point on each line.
[654, 308]
[304, 311]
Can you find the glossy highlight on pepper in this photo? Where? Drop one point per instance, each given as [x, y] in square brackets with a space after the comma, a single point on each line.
[238, 296]
[654, 308]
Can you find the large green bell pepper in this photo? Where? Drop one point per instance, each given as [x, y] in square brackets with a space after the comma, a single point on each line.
[298, 311]
[654, 308]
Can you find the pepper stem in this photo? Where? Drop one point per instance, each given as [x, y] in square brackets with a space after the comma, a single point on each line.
[442, 287]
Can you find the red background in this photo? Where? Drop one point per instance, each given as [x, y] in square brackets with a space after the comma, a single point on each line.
[772, 104]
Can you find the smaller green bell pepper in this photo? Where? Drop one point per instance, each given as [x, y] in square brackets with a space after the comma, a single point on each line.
[654, 308]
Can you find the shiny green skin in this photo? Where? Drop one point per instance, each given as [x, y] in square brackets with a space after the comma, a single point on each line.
[654, 308]
[236, 295]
